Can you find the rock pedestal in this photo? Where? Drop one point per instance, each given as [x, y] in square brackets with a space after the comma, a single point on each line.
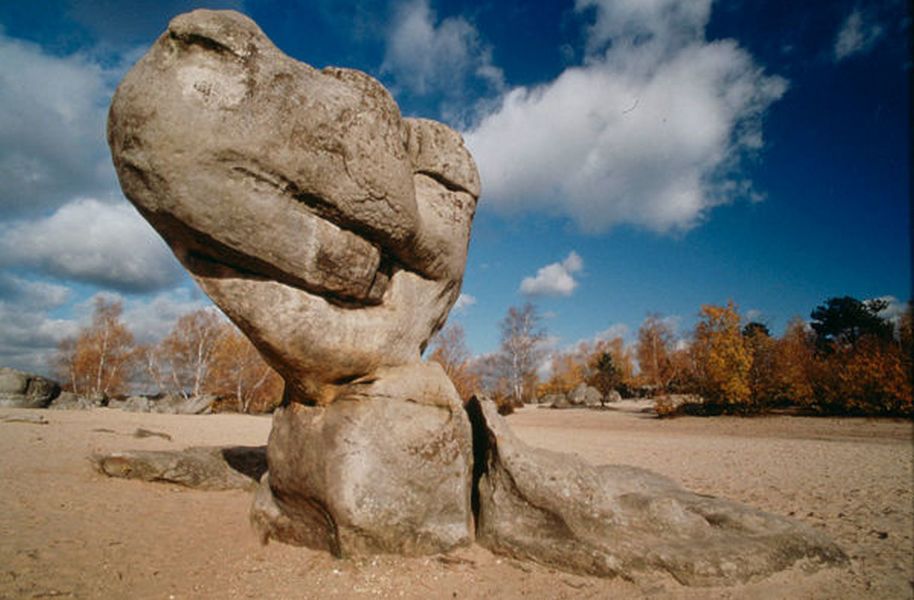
[385, 468]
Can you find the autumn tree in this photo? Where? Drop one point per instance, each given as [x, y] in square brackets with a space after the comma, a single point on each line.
[763, 372]
[522, 339]
[656, 343]
[605, 375]
[185, 355]
[795, 365]
[449, 349]
[568, 369]
[722, 359]
[238, 371]
[99, 360]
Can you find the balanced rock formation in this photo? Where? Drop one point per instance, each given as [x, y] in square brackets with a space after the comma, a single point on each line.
[334, 233]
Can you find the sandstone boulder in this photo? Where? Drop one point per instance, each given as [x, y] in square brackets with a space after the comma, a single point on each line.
[19, 389]
[136, 404]
[385, 468]
[70, 401]
[623, 521]
[585, 395]
[317, 218]
[207, 468]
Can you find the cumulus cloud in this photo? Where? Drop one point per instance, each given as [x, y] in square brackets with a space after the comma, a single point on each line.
[149, 319]
[28, 335]
[616, 330]
[555, 279]
[464, 301]
[92, 242]
[52, 128]
[893, 311]
[858, 34]
[649, 131]
[426, 56]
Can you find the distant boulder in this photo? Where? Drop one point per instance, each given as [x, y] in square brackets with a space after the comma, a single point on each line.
[613, 396]
[585, 395]
[179, 405]
[19, 389]
[135, 404]
[70, 401]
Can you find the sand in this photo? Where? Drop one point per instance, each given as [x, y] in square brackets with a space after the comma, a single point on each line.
[68, 532]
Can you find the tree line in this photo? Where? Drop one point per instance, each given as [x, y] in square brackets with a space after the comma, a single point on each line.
[848, 359]
[203, 354]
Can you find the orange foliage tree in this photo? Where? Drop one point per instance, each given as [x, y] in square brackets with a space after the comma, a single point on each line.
[449, 349]
[239, 372]
[99, 360]
[655, 347]
[722, 359]
[568, 370]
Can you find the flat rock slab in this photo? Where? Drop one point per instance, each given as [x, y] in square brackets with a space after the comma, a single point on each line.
[200, 467]
[617, 520]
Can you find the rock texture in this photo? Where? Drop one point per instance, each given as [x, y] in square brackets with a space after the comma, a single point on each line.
[334, 233]
[622, 521]
[321, 221]
[208, 468]
[384, 468]
[19, 389]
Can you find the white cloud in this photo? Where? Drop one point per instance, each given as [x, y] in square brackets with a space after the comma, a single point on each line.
[426, 56]
[616, 330]
[894, 311]
[28, 335]
[649, 131]
[93, 242]
[555, 279]
[754, 314]
[52, 128]
[464, 301]
[858, 34]
[149, 319]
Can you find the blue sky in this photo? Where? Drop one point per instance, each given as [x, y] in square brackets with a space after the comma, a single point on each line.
[636, 156]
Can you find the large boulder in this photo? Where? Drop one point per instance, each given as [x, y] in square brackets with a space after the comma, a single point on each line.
[623, 521]
[334, 233]
[320, 221]
[386, 468]
[19, 389]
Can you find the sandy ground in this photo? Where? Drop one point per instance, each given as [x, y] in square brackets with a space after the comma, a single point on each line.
[69, 532]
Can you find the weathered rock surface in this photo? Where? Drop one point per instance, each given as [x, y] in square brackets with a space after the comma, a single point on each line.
[585, 395]
[19, 389]
[136, 404]
[207, 468]
[70, 401]
[179, 405]
[622, 521]
[321, 221]
[384, 468]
